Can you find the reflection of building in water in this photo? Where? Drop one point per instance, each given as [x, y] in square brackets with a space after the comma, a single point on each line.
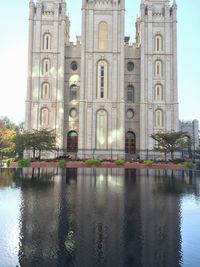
[99, 217]
[45, 220]
[127, 221]
[132, 219]
[191, 181]
[160, 217]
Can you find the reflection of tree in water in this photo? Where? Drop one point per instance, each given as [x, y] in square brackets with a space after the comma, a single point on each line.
[29, 177]
[173, 184]
[6, 178]
[34, 178]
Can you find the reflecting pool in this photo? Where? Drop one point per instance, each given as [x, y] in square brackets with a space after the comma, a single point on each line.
[99, 217]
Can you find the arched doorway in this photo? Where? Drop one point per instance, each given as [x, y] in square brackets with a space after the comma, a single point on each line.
[130, 143]
[72, 142]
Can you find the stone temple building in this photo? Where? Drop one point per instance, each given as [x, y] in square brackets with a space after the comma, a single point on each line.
[103, 96]
[192, 128]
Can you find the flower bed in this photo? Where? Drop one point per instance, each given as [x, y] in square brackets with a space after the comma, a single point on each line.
[105, 164]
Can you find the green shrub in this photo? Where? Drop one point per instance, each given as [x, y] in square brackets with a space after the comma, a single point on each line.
[8, 161]
[23, 163]
[119, 162]
[149, 162]
[62, 163]
[177, 161]
[189, 165]
[91, 162]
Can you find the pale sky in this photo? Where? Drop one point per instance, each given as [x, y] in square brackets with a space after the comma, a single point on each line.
[14, 41]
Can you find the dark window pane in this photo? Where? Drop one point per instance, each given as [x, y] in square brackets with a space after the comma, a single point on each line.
[130, 66]
[74, 65]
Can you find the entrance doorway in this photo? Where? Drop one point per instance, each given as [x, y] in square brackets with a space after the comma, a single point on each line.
[72, 142]
[130, 143]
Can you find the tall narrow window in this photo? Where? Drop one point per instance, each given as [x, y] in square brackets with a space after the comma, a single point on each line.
[103, 35]
[101, 129]
[158, 68]
[158, 43]
[102, 78]
[44, 117]
[45, 92]
[159, 118]
[73, 92]
[47, 41]
[46, 67]
[158, 93]
[130, 94]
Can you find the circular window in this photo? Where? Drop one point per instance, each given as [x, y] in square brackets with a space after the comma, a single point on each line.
[130, 113]
[130, 66]
[74, 65]
[73, 113]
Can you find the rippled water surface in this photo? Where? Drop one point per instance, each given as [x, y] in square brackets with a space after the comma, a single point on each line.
[103, 217]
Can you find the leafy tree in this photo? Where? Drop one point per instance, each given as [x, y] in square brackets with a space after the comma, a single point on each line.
[20, 143]
[8, 123]
[20, 127]
[2, 130]
[7, 141]
[169, 142]
[35, 140]
[6, 136]
[8, 131]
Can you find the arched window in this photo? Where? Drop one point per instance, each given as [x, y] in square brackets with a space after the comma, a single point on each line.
[101, 129]
[45, 92]
[130, 94]
[72, 141]
[44, 116]
[130, 143]
[102, 79]
[158, 43]
[73, 92]
[158, 92]
[46, 67]
[47, 41]
[103, 35]
[158, 68]
[159, 118]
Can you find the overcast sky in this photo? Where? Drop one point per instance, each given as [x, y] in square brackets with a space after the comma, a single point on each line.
[13, 53]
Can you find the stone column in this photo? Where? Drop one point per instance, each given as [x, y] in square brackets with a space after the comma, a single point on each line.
[30, 63]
